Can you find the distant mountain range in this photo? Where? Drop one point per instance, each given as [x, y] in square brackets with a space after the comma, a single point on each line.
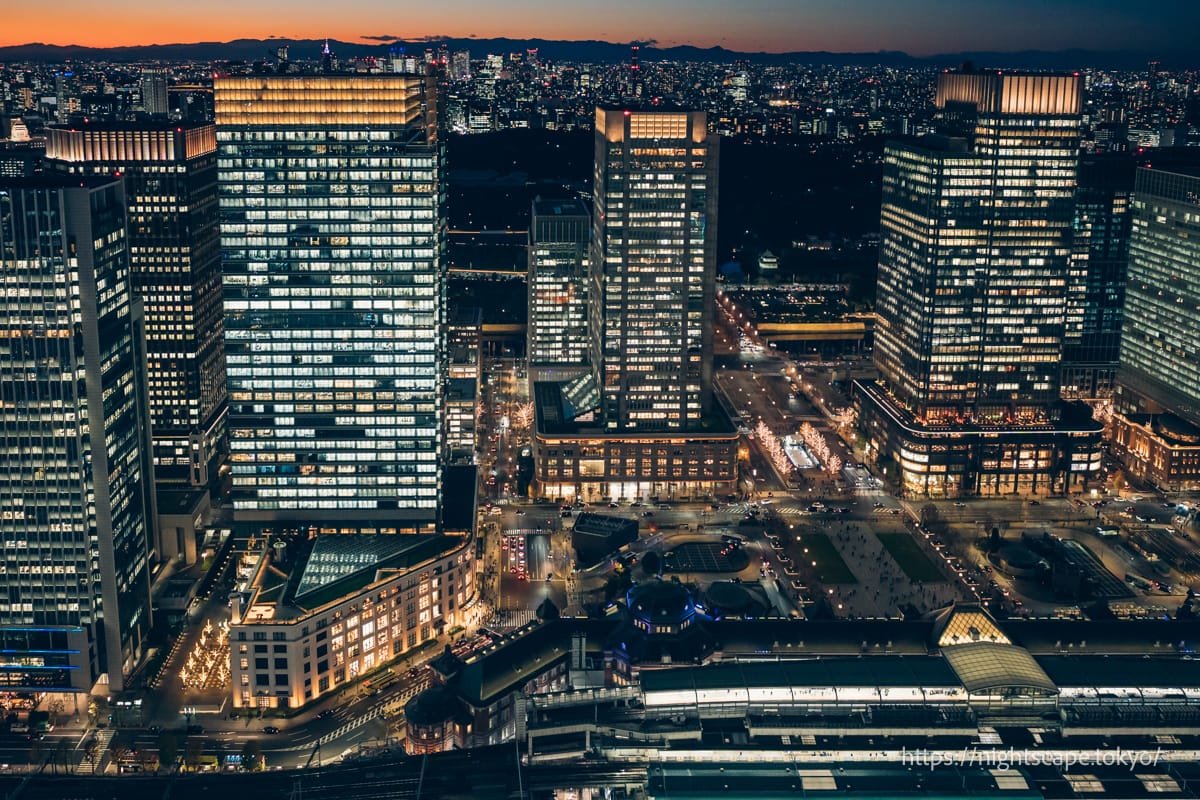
[581, 51]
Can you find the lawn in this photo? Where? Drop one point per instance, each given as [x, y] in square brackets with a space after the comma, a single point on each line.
[911, 558]
[830, 568]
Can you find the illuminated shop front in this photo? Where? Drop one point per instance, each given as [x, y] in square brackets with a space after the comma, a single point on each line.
[950, 460]
[600, 468]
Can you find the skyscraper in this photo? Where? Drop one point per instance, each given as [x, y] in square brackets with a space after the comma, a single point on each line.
[1157, 431]
[640, 423]
[170, 175]
[460, 65]
[973, 262]
[331, 195]
[652, 264]
[154, 91]
[1096, 280]
[559, 231]
[76, 481]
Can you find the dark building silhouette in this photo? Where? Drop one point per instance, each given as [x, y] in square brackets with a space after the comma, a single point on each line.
[76, 479]
[1096, 285]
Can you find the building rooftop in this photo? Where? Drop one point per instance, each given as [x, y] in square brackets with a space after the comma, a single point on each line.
[570, 207]
[459, 485]
[51, 180]
[1103, 637]
[874, 672]
[341, 564]
[515, 659]
[1143, 672]
[985, 666]
[561, 410]
[460, 390]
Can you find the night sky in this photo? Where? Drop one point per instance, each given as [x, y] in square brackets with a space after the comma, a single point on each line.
[919, 27]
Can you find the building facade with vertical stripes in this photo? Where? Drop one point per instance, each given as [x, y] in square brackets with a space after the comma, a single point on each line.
[1157, 429]
[331, 194]
[170, 175]
[76, 479]
[976, 243]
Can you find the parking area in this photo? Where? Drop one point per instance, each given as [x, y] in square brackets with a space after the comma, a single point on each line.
[1106, 585]
[1170, 547]
[706, 557]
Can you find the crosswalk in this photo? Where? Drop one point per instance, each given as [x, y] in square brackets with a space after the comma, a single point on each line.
[785, 509]
[740, 509]
[511, 618]
[790, 510]
[88, 766]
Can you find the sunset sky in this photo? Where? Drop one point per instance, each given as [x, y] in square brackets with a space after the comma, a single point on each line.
[920, 27]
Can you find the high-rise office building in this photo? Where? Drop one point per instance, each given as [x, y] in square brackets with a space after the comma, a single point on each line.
[331, 192]
[460, 65]
[641, 423]
[652, 265]
[154, 91]
[973, 263]
[1096, 279]
[76, 481]
[170, 175]
[557, 339]
[1157, 429]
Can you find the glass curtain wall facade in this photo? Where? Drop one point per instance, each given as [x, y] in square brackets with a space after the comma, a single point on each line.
[1160, 343]
[76, 479]
[331, 195]
[976, 241]
[559, 233]
[1096, 285]
[652, 264]
[170, 174]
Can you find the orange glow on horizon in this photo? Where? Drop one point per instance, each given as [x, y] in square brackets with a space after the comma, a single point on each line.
[127, 23]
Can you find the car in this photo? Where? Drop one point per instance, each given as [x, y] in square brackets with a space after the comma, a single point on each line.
[647, 513]
[195, 730]
[155, 729]
[635, 504]
[520, 512]
[271, 729]
[614, 505]
[960, 504]
[565, 514]
[1034, 503]
[326, 713]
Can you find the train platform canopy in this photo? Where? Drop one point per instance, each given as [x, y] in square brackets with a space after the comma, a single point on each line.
[992, 666]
